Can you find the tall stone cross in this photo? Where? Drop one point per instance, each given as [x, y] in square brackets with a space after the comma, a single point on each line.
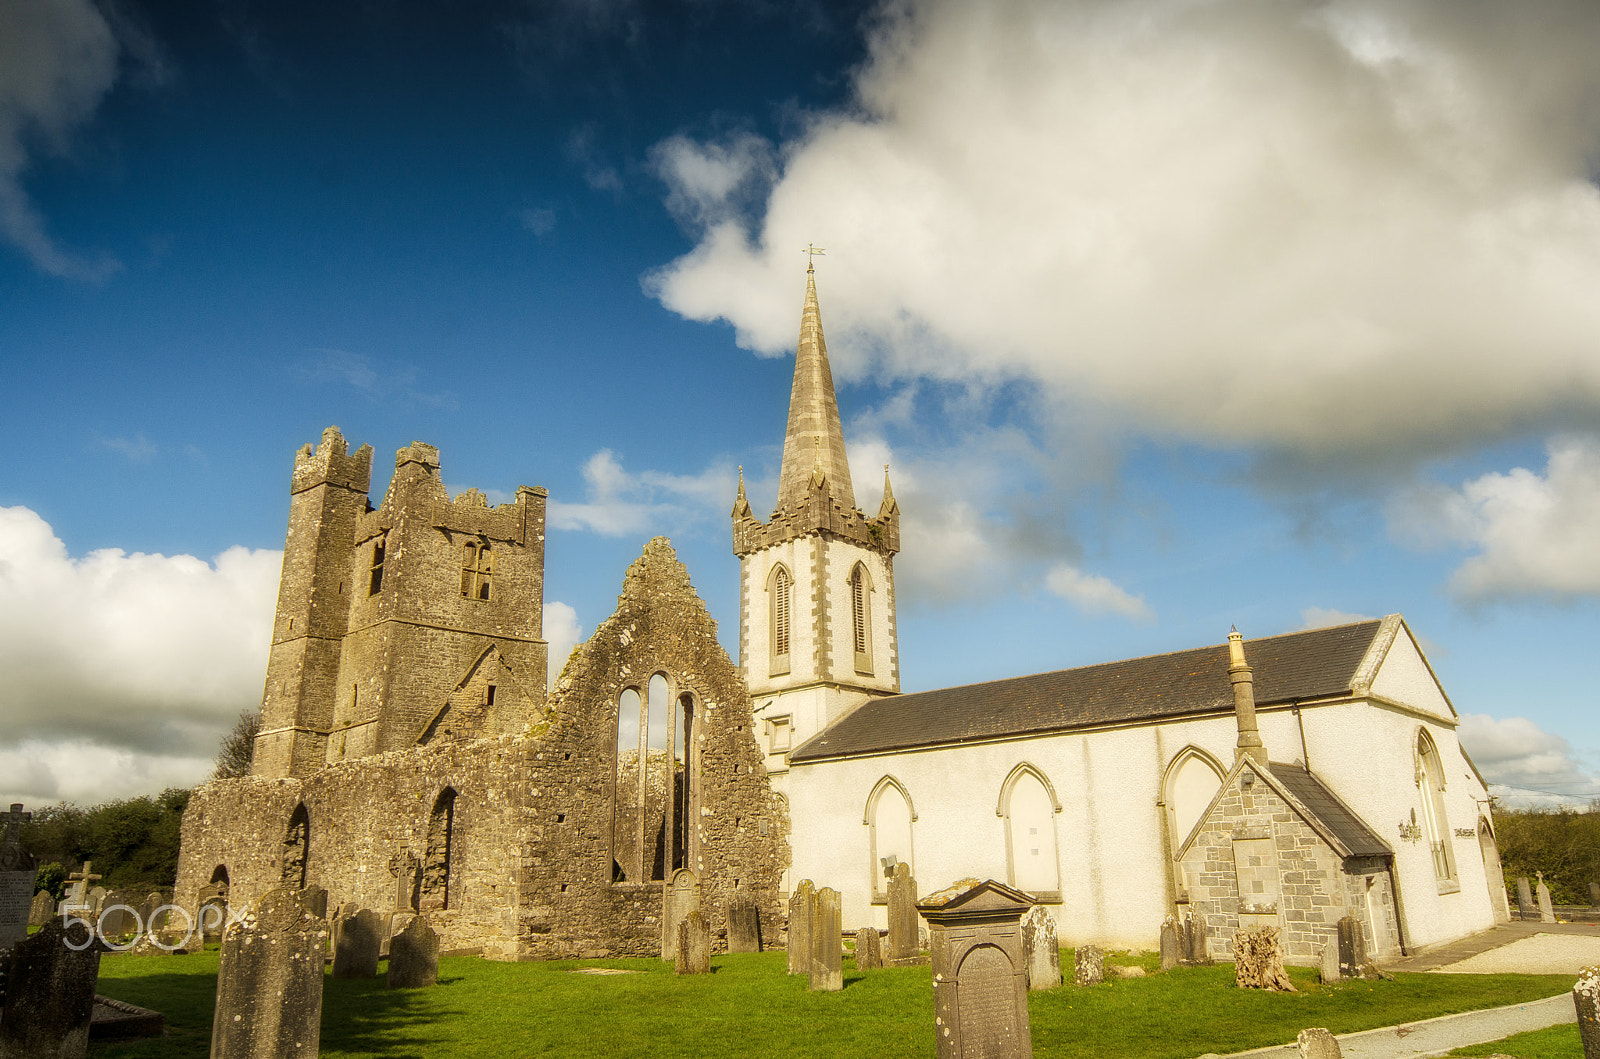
[11, 857]
[81, 881]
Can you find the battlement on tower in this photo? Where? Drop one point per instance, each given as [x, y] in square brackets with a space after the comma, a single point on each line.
[329, 463]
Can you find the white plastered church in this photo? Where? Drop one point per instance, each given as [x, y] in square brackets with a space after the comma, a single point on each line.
[1289, 781]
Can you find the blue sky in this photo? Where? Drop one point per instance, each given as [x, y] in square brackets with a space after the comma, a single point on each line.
[1152, 349]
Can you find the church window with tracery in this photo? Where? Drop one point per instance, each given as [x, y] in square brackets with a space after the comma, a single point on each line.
[1435, 825]
[860, 619]
[477, 568]
[782, 588]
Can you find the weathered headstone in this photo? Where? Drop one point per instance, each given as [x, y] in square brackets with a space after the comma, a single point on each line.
[679, 897]
[1192, 942]
[211, 912]
[78, 892]
[414, 956]
[406, 867]
[43, 907]
[269, 982]
[980, 978]
[1330, 962]
[360, 938]
[147, 912]
[1524, 898]
[744, 925]
[1317, 1043]
[905, 927]
[869, 949]
[827, 952]
[1088, 965]
[49, 999]
[16, 879]
[118, 918]
[801, 908]
[1547, 911]
[393, 924]
[97, 901]
[1040, 950]
[1169, 944]
[1594, 895]
[1586, 995]
[693, 950]
[1258, 961]
[1352, 949]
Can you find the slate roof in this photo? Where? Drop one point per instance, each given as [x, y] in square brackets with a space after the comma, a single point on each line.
[1295, 667]
[1336, 817]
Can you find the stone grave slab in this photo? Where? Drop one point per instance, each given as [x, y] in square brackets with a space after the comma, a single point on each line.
[1330, 962]
[1547, 911]
[1525, 905]
[1088, 965]
[692, 953]
[1586, 995]
[1317, 1043]
[49, 1001]
[1169, 944]
[980, 977]
[801, 907]
[827, 952]
[42, 908]
[744, 925]
[905, 926]
[1039, 947]
[679, 897]
[114, 1020]
[269, 981]
[869, 949]
[360, 939]
[16, 906]
[1352, 948]
[1258, 961]
[414, 956]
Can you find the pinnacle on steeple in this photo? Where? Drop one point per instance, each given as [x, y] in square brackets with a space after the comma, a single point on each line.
[814, 443]
[741, 506]
[889, 505]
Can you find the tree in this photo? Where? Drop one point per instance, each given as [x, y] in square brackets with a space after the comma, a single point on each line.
[238, 747]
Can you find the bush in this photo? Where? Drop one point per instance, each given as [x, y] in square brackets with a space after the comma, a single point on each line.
[1562, 843]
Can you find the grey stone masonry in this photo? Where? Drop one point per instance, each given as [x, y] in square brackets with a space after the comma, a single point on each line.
[827, 954]
[1088, 965]
[801, 909]
[1317, 1043]
[360, 939]
[905, 927]
[50, 979]
[869, 949]
[980, 976]
[693, 951]
[1586, 995]
[1040, 949]
[414, 956]
[744, 925]
[269, 980]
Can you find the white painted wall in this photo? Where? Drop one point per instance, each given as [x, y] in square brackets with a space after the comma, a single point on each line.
[1404, 677]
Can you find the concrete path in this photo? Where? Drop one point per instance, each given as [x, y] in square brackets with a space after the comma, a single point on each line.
[1504, 934]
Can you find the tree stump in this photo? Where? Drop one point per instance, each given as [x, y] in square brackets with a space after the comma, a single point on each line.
[1258, 961]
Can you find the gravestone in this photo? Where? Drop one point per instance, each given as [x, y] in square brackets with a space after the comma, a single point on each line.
[43, 907]
[147, 912]
[1547, 912]
[905, 928]
[97, 901]
[1169, 943]
[827, 952]
[406, 867]
[393, 924]
[1586, 995]
[1524, 899]
[119, 917]
[869, 949]
[744, 925]
[1258, 961]
[349, 908]
[1041, 952]
[17, 877]
[414, 956]
[269, 981]
[800, 909]
[1594, 895]
[211, 911]
[78, 892]
[692, 953]
[679, 897]
[1317, 1043]
[1352, 949]
[1330, 962]
[360, 937]
[1192, 945]
[50, 979]
[980, 976]
[1088, 965]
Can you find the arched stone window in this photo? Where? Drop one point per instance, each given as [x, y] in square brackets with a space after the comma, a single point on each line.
[655, 790]
[1029, 806]
[1435, 824]
[861, 617]
[888, 818]
[1192, 781]
[781, 588]
[477, 569]
[436, 864]
[297, 847]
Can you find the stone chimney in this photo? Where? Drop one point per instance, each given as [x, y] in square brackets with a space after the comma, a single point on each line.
[1244, 701]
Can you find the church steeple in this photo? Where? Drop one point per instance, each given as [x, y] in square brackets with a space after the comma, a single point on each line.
[814, 444]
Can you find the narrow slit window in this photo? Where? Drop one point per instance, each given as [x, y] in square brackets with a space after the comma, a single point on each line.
[782, 587]
[477, 569]
[378, 549]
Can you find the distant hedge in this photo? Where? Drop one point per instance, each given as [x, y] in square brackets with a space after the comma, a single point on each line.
[1562, 843]
[133, 843]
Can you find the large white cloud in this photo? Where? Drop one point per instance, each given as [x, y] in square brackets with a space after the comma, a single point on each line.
[618, 501]
[1535, 536]
[1524, 764]
[1349, 226]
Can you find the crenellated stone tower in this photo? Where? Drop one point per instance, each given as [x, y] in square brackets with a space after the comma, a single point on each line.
[415, 622]
[816, 592]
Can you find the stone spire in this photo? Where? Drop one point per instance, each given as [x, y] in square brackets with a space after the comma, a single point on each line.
[814, 444]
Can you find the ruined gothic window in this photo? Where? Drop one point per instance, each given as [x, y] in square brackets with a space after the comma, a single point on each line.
[1435, 825]
[477, 566]
[436, 865]
[1193, 779]
[297, 847]
[781, 589]
[375, 585]
[888, 819]
[860, 618]
[651, 805]
[1029, 808]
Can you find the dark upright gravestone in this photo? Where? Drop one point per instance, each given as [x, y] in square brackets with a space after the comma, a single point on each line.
[17, 876]
[269, 981]
[905, 928]
[1169, 943]
[414, 956]
[800, 909]
[1088, 965]
[692, 953]
[1594, 895]
[1352, 949]
[49, 1000]
[1042, 951]
[1525, 908]
[1192, 942]
[744, 925]
[980, 987]
[147, 912]
[43, 907]
[1547, 911]
[827, 953]
[869, 949]
[1586, 995]
[679, 897]
[360, 937]
[119, 917]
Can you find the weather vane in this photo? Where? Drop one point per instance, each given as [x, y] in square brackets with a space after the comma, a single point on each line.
[811, 251]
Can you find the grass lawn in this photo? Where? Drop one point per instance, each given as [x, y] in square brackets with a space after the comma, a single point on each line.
[1552, 1042]
[749, 1007]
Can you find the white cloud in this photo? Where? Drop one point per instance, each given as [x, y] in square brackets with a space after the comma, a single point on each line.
[57, 61]
[84, 772]
[1326, 617]
[1094, 594]
[1535, 535]
[1342, 227]
[562, 632]
[619, 502]
[146, 656]
[1525, 764]
[711, 182]
[538, 220]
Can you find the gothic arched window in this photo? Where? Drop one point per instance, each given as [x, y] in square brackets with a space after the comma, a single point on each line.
[436, 865]
[888, 819]
[1192, 781]
[297, 848]
[1435, 825]
[861, 618]
[1029, 807]
[782, 588]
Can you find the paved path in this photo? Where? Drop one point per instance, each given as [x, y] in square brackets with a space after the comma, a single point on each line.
[1504, 934]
